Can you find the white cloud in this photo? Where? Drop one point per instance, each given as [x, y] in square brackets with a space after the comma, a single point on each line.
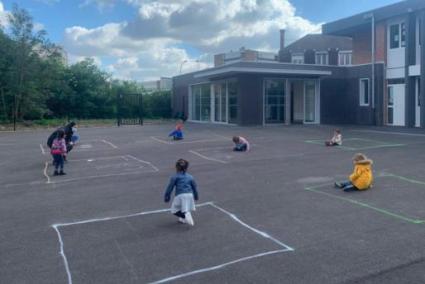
[153, 44]
[3, 16]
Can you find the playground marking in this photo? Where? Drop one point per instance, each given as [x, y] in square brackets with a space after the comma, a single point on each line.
[380, 144]
[316, 189]
[110, 144]
[285, 248]
[46, 165]
[144, 162]
[42, 150]
[161, 141]
[390, 132]
[186, 142]
[207, 158]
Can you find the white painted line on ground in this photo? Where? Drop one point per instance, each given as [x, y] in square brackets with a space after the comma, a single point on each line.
[122, 216]
[161, 141]
[390, 132]
[263, 234]
[109, 143]
[199, 141]
[168, 279]
[207, 158]
[144, 162]
[62, 253]
[96, 159]
[286, 248]
[46, 165]
[42, 150]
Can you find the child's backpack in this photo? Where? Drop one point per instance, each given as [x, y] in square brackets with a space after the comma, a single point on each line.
[56, 147]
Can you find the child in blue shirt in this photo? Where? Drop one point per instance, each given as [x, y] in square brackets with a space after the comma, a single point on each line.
[185, 193]
[177, 133]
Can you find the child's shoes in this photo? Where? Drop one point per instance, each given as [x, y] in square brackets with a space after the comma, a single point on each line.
[62, 173]
[56, 173]
[338, 185]
[189, 219]
[181, 220]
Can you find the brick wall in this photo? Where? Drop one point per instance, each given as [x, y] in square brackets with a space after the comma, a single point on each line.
[362, 44]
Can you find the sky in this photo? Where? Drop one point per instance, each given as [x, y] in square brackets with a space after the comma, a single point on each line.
[145, 39]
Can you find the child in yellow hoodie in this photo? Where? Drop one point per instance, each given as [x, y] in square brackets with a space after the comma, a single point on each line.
[362, 176]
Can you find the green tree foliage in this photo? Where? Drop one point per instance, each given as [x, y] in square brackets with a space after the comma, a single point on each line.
[36, 82]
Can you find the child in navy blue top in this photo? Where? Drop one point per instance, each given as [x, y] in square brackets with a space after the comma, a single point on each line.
[185, 193]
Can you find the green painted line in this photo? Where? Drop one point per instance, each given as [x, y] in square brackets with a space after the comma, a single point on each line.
[404, 179]
[380, 144]
[383, 211]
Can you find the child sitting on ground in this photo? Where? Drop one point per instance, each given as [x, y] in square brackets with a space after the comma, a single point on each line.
[336, 139]
[177, 133]
[362, 176]
[186, 191]
[241, 144]
[58, 151]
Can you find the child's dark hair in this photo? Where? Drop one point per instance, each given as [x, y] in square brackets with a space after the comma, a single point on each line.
[61, 134]
[338, 131]
[235, 139]
[182, 165]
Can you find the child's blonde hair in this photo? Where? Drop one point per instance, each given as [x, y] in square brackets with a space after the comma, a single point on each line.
[359, 157]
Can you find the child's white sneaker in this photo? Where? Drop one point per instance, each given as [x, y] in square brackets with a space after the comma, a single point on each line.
[189, 218]
[181, 220]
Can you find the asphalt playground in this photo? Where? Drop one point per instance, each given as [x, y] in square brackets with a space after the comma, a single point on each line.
[270, 215]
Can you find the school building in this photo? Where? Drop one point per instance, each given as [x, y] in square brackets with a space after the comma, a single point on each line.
[366, 69]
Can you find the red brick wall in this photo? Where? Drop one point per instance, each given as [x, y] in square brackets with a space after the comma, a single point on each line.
[362, 44]
[381, 42]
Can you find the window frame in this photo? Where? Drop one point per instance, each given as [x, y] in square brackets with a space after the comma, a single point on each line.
[322, 55]
[362, 95]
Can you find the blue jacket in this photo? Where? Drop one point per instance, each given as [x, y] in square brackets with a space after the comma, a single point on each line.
[184, 183]
[177, 134]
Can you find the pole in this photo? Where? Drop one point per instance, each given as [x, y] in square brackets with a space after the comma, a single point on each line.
[14, 113]
[373, 62]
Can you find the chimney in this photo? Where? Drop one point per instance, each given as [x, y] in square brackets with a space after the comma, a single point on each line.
[282, 39]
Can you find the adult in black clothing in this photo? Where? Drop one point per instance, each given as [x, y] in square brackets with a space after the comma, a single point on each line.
[68, 135]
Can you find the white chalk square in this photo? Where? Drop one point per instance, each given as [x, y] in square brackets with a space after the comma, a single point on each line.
[132, 249]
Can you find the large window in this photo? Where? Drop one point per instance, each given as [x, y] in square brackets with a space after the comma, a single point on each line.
[232, 91]
[220, 102]
[345, 58]
[397, 35]
[201, 102]
[364, 92]
[322, 58]
[274, 107]
[310, 101]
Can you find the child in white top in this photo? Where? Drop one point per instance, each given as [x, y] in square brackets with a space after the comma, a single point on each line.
[336, 139]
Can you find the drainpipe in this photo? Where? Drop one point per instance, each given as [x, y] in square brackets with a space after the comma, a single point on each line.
[371, 16]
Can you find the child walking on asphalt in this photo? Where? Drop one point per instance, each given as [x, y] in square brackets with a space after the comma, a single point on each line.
[58, 151]
[185, 193]
[362, 176]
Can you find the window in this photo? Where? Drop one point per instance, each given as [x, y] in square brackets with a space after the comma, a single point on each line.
[297, 59]
[201, 102]
[274, 107]
[232, 90]
[397, 35]
[394, 36]
[364, 92]
[403, 34]
[390, 93]
[322, 58]
[345, 58]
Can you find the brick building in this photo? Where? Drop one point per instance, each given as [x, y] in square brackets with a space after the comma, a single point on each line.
[366, 69]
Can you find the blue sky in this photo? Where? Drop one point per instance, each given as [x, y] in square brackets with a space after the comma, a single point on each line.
[134, 39]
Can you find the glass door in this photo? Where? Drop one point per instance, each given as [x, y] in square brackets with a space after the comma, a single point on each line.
[309, 102]
[274, 100]
[232, 93]
[220, 102]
